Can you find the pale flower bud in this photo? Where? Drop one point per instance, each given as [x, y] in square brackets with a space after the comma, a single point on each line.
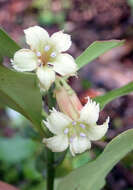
[75, 101]
[68, 102]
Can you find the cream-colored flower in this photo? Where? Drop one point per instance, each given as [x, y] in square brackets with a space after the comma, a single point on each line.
[77, 134]
[45, 57]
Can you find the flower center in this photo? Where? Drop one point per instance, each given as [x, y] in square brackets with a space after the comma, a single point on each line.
[47, 56]
[76, 129]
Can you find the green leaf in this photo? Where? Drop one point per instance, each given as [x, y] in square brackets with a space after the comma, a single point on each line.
[109, 96]
[2, 105]
[16, 149]
[7, 46]
[92, 175]
[21, 92]
[96, 49]
[30, 171]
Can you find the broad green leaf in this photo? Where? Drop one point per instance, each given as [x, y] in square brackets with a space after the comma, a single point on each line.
[39, 186]
[21, 92]
[96, 49]
[7, 46]
[30, 170]
[2, 105]
[91, 176]
[109, 96]
[16, 149]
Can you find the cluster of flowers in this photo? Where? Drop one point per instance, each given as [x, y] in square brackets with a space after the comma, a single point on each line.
[74, 125]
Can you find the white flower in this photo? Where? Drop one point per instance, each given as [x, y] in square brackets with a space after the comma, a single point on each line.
[45, 57]
[75, 134]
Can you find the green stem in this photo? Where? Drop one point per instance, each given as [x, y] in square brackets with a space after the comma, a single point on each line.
[50, 155]
[50, 169]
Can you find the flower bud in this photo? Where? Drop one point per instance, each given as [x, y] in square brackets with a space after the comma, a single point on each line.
[75, 101]
[68, 102]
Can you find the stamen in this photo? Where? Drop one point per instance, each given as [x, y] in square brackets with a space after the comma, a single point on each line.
[82, 125]
[53, 54]
[66, 131]
[71, 139]
[82, 134]
[74, 123]
[47, 48]
[38, 54]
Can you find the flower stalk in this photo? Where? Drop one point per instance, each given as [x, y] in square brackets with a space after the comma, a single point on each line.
[50, 170]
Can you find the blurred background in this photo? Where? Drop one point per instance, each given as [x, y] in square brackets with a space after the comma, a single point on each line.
[21, 154]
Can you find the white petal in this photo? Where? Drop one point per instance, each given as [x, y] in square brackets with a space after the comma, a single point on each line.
[96, 132]
[36, 37]
[57, 143]
[61, 41]
[90, 112]
[79, 145]
[57, 121]
[65, 65]
[46, 77]
[25, 60]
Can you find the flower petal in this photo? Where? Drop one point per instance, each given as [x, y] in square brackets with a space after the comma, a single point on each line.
[57, 143]
[61, 41]
[65, 65]
[25, 60]
[96, 132]
[90, 112]
[57, 121]
[79, 145]
[36, 37]
[46, 77]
